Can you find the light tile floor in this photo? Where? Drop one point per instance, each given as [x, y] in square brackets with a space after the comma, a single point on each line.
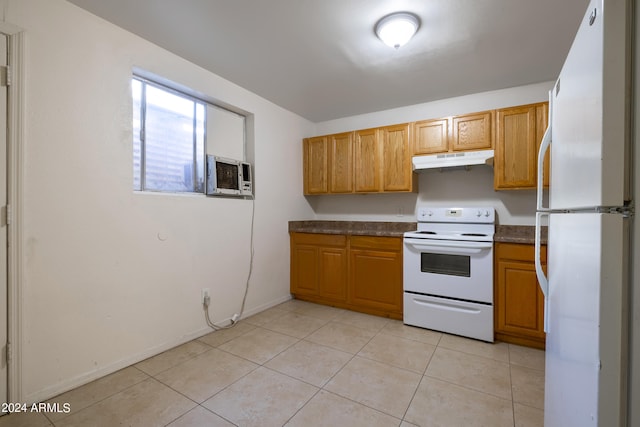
[302, 364]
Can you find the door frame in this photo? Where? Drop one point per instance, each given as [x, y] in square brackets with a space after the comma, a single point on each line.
[15, 182]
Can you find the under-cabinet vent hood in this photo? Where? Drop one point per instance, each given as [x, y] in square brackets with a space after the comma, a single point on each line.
[450, 160]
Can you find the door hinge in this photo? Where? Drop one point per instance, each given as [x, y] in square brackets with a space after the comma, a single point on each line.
[625, 211]
[5, 215]
[628, 211]
[5, 75]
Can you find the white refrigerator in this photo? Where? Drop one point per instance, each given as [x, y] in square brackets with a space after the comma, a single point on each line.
[589, 215]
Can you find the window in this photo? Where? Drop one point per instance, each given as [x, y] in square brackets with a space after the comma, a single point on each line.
[168, 139]
[452, 265]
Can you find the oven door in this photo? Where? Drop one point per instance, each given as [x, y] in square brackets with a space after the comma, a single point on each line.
[449, 268]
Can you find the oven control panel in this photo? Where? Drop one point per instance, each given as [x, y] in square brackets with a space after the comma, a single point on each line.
[453, 213]
[482, 214]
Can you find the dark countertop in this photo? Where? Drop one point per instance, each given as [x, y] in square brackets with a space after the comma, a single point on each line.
[360, 228]
[524, 234]
[519, 234]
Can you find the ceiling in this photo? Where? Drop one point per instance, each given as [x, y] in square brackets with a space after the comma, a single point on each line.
[321, 59]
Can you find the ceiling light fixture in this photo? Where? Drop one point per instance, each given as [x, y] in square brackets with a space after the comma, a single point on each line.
[396, 30]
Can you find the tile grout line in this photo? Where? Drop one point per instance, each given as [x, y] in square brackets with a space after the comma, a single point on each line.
[103, 399]
[319, 389]
[422, 378]
[219, 391]
[404, 416]
[259, 365]
[513, 401]
[353, 356]
[178, 364]
[342, 368]
[262, 365]
[444, 347]
[471, 388]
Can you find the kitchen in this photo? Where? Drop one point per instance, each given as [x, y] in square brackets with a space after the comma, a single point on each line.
[61, 287]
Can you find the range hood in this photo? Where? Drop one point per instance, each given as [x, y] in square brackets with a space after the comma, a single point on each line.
[452, 160]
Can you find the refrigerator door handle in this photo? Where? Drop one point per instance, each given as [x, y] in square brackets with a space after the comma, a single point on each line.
[542, 278]
[541, 210]
[544, 147]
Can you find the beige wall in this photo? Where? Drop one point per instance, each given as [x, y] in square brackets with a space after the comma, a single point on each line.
[112, 276]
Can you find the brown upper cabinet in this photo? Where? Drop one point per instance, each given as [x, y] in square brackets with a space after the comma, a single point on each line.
[472, 132]
[459, 133]
[341, 163]
[328, 164]
[316, 165]
[431, 136]
[397, 173]
[365, 161]
[378, 160]
[519, 132]
[366, 155]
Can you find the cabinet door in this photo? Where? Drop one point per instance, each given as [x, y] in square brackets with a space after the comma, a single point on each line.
[431, 136]
[367, 156]
[471, 132]
[397, 174]
[332, 283]
[516, 148]
[315, 165]
[376, 273]
[304, 269]
[519, 305]
[519, 134]
[341, 163]
[319, 266]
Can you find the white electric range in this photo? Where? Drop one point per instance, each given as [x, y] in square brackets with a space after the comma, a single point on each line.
[448, 271]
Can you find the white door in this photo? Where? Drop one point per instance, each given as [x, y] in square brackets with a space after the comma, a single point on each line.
[3, 224]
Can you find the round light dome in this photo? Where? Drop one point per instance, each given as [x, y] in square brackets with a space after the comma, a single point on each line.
[396, 30]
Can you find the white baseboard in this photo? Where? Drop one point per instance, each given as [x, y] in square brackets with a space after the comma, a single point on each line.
[266, 306]
[87, 377]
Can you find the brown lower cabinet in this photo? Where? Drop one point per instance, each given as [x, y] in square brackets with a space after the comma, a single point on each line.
[519, 303]
[360, 273]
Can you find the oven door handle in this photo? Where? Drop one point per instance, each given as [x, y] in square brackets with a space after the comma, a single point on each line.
[456, 247]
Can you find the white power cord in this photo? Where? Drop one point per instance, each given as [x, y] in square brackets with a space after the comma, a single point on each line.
[207, 298]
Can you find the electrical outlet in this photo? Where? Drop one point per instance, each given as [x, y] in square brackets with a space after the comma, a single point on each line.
[205, 294]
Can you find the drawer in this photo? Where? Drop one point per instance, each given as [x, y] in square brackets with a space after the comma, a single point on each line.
[376, 242]
[447, 315]
[339, 240]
